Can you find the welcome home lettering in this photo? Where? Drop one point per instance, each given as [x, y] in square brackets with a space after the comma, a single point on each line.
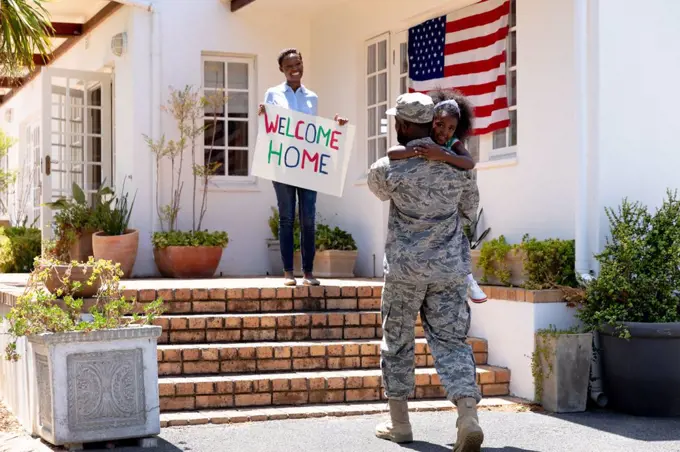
[299, 156]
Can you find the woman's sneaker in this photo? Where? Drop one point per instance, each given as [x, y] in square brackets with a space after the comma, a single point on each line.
[475, 292]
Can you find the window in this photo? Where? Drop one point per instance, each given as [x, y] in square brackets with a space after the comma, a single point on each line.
[376, 98]
[229, 134]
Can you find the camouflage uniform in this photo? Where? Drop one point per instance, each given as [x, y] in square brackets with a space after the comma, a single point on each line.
[427, 258]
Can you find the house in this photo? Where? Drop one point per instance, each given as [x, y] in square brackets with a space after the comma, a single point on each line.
[583, 76]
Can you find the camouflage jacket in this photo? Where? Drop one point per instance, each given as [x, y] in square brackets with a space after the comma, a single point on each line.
[425, 238]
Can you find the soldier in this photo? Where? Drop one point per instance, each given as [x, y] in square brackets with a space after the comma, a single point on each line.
[427, 260]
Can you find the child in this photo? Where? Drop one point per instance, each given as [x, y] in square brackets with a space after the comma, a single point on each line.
[452, 125]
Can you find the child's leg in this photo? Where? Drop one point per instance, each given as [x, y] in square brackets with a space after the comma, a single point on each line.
[475, 292]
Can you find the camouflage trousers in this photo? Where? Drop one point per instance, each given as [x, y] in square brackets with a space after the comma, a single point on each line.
[445, 315]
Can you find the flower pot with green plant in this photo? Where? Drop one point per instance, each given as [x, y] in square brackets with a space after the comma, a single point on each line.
[634, 305]
[195, 253]
[96, 374]
[115, 241]
[336, 253]
[75, 222]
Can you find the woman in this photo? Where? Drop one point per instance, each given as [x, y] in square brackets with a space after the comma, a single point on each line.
[294, 96]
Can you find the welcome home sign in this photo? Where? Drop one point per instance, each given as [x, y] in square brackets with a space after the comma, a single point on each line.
[302, 150]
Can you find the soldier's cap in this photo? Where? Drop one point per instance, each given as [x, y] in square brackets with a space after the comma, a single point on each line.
[413, 107]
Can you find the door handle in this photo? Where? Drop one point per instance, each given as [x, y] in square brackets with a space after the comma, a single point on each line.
[48, 165]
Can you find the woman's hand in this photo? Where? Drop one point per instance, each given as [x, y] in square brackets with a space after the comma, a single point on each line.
[430, 152]
[341, 120]
[261, 109]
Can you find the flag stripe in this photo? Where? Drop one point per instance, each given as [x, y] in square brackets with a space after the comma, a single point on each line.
[493, 127]
[476, 43]
[456, 81]
[477, 32]
[474, 67]
[478, 19]
[483, 53]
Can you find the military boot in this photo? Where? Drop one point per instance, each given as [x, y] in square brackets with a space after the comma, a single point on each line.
[398, 428]
[470, 434]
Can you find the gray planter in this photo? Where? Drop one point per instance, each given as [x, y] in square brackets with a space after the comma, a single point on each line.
[274, 252]
[97, 386]
[565, 362]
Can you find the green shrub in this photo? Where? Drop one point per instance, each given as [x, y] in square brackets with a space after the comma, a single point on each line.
[639, 278]
[190, 238]
[19, 246]
[333, 239]
[492, 260]
[549, 263]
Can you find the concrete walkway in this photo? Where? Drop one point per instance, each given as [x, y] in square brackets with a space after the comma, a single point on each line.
[506, 432]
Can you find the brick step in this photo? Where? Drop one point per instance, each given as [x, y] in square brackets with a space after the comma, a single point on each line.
[298, 326]
[267, 299]
[176, 360]
[301, 388]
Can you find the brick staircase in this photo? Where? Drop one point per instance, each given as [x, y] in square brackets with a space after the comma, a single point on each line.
[223, 351]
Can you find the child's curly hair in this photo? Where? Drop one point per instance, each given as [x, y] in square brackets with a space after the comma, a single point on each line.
[467, 111]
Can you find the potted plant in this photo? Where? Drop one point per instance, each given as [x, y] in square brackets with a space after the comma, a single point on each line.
[75, 222]
[115, 241]
[195, 253]
[336, 253]
[97, 375]
[561, 368]
[75, 279]
[634, 305]
[274, 246]
[499, 263]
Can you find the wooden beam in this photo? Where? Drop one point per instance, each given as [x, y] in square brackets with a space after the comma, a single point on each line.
[67, 45]
[41, 60]
[10, 82]
[238, 4]
[66, 30]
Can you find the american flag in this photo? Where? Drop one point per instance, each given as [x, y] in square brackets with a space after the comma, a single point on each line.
[465, 50]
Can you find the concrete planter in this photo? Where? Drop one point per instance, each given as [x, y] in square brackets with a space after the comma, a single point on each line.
[565, 363]
[274, 253]
[515, 262]
[329, 264]
[120, 249]
[97, 386]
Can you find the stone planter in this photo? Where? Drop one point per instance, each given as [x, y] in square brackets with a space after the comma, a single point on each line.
[565, 366]
[515, 261]
[274, 253]
[329, 263]
[120, 249]
[81, 273]
[97, 386]
[81, 249]
[188, 261]
[641, 375]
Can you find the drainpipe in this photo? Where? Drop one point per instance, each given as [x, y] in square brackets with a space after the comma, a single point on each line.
[156, 96]
[584, 249]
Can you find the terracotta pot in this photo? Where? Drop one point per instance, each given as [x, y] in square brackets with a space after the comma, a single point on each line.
[80, 273]
[81, 249]
[329, 263]
[188, 261]
[515, 261]
[120, 249]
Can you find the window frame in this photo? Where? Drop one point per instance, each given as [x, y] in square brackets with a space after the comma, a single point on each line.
[369, 159]
[226, 180]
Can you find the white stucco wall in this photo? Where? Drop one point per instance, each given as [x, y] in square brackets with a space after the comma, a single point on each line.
[636, 148]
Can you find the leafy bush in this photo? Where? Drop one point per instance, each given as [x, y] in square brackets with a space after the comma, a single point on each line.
[333, 239]
[639, 278]
[37, 311]
[19, 246]
[190, 238]
[492, 260]
[549, 263]
[274, 227]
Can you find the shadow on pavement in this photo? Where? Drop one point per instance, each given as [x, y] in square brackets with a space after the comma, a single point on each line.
[627, 426]
[424, 446]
